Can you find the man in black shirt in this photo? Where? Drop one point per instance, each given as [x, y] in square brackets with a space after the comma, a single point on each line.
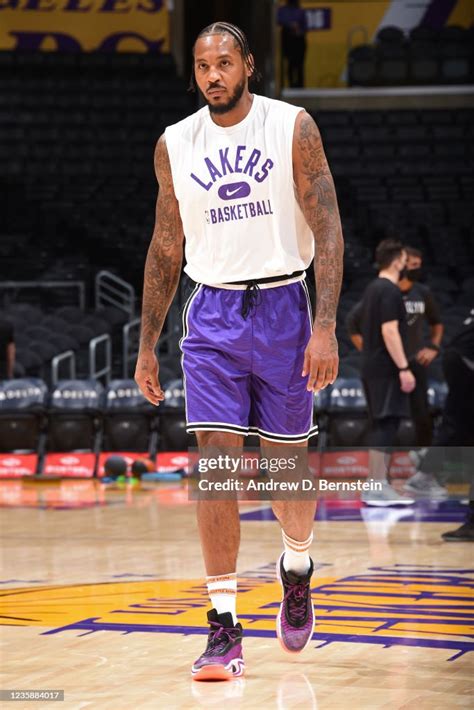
[7, 350]
[420, 306]
[386, 374]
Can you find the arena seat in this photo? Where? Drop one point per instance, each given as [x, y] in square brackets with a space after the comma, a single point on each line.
[22, 414]
[173, 436]
[390, 35]
[74, 415]
[393, 64]
[347, 411]
[423, 64]
[455, 64]
[362, 66]
[130, 422]
[423, 33]
[425, 57]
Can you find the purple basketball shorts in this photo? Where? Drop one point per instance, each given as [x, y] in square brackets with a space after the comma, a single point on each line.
[243, 375]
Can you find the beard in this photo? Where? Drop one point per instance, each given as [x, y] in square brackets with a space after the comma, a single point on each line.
[231, 103]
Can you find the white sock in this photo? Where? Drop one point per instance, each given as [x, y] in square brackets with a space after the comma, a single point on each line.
[296, 557]
[222, 589]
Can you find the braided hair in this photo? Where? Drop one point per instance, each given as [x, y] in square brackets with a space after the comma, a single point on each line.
[240, 41]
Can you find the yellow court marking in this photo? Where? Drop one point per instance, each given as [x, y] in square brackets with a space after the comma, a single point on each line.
[429, 613]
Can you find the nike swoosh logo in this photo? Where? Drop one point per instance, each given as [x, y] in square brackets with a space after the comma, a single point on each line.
[232, 192]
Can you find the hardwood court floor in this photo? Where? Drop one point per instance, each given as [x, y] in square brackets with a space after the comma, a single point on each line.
[102, 596]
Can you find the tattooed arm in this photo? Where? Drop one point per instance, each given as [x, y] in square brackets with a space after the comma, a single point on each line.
[317, 198]
[162, 271]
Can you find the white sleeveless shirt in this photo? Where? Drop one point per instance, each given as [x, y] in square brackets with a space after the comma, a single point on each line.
[236, 195]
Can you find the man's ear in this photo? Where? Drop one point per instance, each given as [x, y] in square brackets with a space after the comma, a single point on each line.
[250, 65]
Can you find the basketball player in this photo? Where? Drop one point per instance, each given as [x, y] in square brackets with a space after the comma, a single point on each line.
[246, 181]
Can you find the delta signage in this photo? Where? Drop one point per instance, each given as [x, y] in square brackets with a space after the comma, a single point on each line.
[355, 464]
[17, 465]
[328, 464]
[85, 25]
[69, 465]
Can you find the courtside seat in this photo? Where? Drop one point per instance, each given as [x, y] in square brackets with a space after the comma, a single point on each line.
[173, 436]
[347, 411]
[74, 415]
[130, 422]
[22, 414]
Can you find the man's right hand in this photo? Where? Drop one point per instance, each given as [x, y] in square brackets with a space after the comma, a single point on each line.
[407, 381]
[146, 377]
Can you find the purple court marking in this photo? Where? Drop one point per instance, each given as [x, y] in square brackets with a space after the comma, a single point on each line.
[417, 608]
[421, 512]
[386, 622]
[22, 581]
[132, 574]
[90, 626]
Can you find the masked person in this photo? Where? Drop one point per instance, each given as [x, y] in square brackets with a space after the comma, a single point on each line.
[421, 308]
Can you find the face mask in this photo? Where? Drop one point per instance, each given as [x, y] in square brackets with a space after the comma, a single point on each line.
[413, 274]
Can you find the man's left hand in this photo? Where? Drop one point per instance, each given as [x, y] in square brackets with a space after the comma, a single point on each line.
[425, 356]
[321, 360]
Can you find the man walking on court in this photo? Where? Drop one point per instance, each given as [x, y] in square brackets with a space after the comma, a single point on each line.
[245, 180]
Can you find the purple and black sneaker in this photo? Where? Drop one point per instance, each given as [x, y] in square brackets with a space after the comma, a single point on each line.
[295, 620]
[222, 659]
